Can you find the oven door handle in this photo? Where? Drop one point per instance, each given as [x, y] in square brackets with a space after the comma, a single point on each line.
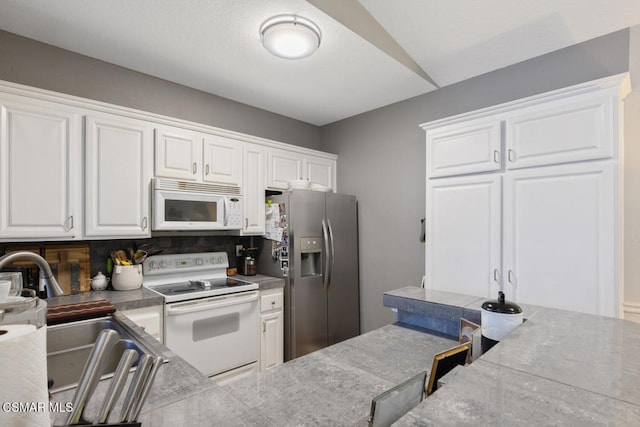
[192, 308]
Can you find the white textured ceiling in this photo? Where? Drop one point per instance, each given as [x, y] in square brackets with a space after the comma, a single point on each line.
[214, 45]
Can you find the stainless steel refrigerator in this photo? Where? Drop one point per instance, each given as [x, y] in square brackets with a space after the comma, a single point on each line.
[318, 258]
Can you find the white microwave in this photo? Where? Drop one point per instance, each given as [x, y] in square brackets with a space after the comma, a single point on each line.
[181, 205]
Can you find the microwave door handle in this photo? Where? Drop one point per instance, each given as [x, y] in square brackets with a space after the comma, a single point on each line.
[226, 211]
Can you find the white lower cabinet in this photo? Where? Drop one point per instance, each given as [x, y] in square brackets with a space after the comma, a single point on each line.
[271, 328]
[464, 219]
[544, 236]
[150, 319]
[559, 233]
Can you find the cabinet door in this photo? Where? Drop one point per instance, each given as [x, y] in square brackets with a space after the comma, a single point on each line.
[320, 171]
[559, 238]
[271, 340]
[283, 167]
[178, 153]
[150, 319]
[464, 148]
[40, 172]
[253, 189]
[580, 128]
[222, 160]
[118, 175]
[463, 235]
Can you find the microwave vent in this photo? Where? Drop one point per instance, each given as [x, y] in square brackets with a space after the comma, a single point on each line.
[196, 187]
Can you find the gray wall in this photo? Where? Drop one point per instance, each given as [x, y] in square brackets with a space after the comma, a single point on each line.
[382, 157]
[382, 153]
[32, 63]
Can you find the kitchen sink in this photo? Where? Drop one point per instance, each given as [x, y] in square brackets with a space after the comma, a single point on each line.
[69, 346]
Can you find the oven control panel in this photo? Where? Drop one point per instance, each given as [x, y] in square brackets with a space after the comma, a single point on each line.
[166, 264]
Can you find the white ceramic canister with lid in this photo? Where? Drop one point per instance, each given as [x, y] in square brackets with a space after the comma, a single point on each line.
[498, 319]
[99, 282]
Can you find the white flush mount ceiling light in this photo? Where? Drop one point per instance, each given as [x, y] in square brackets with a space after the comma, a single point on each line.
[290, 36]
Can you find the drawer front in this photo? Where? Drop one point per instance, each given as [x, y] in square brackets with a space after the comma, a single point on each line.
[271, 302]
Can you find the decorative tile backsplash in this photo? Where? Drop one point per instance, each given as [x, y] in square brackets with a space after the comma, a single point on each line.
[100, 249]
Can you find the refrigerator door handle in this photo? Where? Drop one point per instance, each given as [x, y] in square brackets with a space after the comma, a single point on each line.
[327, 255]
[333, 252]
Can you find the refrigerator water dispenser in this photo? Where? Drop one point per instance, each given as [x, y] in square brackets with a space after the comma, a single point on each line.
[310, 256]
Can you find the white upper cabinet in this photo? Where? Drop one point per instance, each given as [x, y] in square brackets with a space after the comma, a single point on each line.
[40, 171]
[284, 166]
[463, 226]
[321, 171]
[118, 175]
[72, 168]
[570, 130]
[254, 164]
[194, 156]
[464, 148]
[178, 153]
[222, 160]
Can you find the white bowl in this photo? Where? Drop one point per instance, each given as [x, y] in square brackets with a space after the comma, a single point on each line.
[299, 184]
[319, 187]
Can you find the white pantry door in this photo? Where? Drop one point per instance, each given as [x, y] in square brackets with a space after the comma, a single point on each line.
[463, 235]
[559, 237]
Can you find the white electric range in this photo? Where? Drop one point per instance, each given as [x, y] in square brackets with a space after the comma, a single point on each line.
[211, 320]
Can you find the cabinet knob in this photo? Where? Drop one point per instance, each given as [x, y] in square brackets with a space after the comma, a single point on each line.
[512, 155]
[206, 170]
[144, 223]
[195, 168]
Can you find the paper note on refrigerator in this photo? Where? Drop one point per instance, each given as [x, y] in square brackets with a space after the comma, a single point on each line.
[273, 230]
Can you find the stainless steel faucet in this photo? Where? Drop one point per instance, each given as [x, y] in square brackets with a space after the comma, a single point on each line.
[50, 282]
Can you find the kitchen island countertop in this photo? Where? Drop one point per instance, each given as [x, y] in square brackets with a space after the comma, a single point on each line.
[557, 368]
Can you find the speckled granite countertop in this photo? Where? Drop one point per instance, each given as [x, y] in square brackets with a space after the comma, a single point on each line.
[333, 386]
[558, 368]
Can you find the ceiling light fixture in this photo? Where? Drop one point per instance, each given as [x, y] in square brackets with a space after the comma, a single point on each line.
[290, 36]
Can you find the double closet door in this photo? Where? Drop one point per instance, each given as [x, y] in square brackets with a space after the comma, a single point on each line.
[527, 200]
[544, 237]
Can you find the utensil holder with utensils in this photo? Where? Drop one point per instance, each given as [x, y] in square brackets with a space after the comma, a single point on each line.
[137, 393]
[126, 277]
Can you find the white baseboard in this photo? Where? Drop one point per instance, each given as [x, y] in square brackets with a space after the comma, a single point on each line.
[632, 311]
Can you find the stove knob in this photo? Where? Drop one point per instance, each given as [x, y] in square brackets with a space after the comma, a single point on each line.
[163, 264]
[212, 260]
[199, 261]
[152, 265]
[220, 260]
